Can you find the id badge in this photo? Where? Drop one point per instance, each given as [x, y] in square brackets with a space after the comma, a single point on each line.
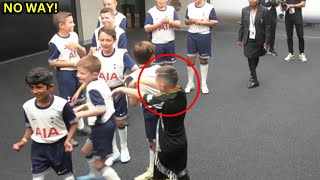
[252, 34]
[291, 11]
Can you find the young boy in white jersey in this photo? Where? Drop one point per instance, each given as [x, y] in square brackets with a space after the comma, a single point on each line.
[143, 52]
[107, 20]
[172, 145]
[201, 17]
[50, 123]
[64, 53]
[160, 21]
[114, 62]
[120, 19]
[99, 110]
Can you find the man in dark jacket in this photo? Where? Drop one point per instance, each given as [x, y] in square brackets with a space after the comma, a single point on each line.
[272, 21]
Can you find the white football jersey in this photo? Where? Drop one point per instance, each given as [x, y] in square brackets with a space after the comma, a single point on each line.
[113, 67]
[121, 41]
[58, 50]
[165, 33]
[149, 74]
[49, 123]
[205, 12]
[98, 95]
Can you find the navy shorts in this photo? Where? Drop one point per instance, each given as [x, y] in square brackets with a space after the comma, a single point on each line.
[167, 48]
[121, 106]
[150, 124]
[199, 44]
[101, 137]
[68, 84]
[44, 156]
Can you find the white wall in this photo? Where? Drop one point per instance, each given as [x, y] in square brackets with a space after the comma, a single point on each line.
[87, 15]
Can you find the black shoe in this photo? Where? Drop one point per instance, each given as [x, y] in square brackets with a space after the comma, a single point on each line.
[273, 53]
[253, 84]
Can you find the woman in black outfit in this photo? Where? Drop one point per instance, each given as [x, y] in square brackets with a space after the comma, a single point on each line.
[253, 36]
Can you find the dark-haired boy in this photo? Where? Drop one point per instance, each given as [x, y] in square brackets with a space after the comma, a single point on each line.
[171, 148]
[51, 123]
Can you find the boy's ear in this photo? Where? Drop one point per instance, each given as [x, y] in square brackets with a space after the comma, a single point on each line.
[95, 73]
[61, 25]
[50, 87]
[162, 85]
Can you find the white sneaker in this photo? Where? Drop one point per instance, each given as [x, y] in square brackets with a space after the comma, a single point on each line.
[112, 159]
[125, 156]
[145, 176]
[302, 57]
[289, 57]
[204, 89]
[189, 87]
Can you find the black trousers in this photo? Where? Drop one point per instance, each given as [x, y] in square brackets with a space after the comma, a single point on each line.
[131, 8]
[290, 23]
[273, 27]
[253, 64]
[272, 21]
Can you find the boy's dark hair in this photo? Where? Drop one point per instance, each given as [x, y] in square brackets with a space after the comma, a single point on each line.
[143, 51]
[109, 31]
[90, 63]
[107, 10]
[60, 17]
[168, 75]
[39, 75]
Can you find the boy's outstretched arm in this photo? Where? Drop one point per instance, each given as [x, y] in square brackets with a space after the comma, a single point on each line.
[150, 83]
[129, 91]
[90, 112]
[75, 97]
[19, 145]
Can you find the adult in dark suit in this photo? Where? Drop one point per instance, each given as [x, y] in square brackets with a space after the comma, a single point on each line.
[253, 36]
[272, 20]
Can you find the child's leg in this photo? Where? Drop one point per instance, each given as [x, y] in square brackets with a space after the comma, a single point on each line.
[102, 144]
[204, 43]
[169, 48]
[150, 122]
[115, 157]
[39, 160]
[87, 150]
[159, 51]
[121, 114]
[123, 134]
[152, 155]
[192, 51]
